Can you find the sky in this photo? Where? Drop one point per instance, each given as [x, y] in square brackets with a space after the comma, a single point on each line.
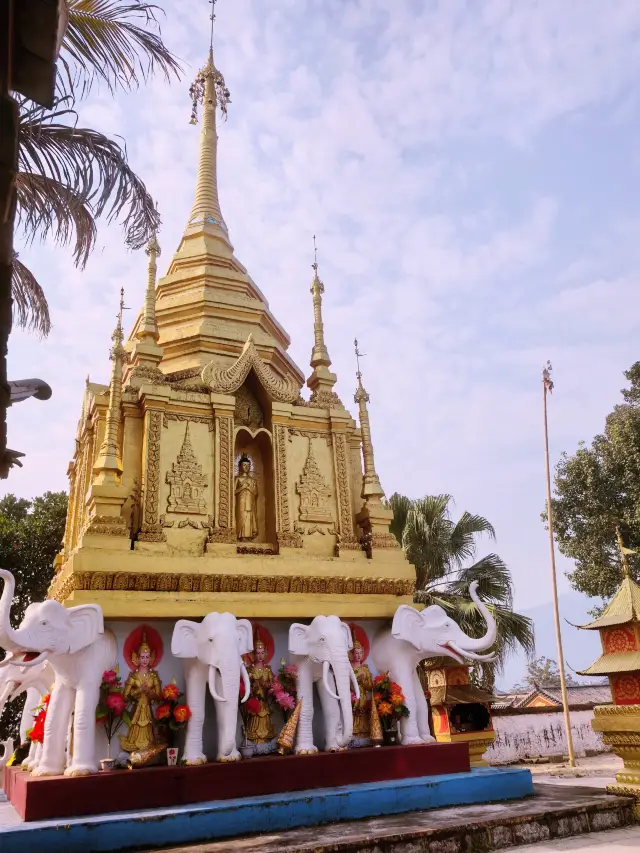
[471, 172]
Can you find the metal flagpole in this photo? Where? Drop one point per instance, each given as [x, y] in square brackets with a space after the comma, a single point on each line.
[547, 388]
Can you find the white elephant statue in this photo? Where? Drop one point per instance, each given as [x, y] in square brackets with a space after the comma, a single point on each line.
[321, 653]
[79, 650]
[34, 681]
[415, 635]
[212, 652]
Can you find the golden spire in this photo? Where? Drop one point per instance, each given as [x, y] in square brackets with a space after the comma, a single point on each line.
[209, 90]
[322, 379]
[109, 461]
[148, 329]
[371, 488]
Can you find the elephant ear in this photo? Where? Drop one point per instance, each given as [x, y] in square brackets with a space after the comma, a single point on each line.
[85, 625]
[406, 625]
[245, 635]
[184, 642]
[348, 638]
[298, 639]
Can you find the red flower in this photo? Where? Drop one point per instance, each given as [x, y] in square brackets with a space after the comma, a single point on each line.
[395, 688]
[253, 705]
[115, 703]
[182, 713]
[163, 711]
[110, 676]
[379, 679]
[171, 692]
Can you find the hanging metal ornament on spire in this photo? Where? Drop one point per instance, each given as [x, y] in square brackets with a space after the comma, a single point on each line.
[197, 88]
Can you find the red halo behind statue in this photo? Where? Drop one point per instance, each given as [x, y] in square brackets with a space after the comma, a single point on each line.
[267, 639]
[134, 640]
[358, 634]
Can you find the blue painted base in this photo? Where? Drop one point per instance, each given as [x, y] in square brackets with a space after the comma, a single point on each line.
[230, 818]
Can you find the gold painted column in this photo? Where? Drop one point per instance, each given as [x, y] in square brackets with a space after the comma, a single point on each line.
[223, 532]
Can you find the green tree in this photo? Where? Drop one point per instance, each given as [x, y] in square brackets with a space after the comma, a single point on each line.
[443, 552]
[30, 537]
[68, 176]
[542, 672]
[597, 490]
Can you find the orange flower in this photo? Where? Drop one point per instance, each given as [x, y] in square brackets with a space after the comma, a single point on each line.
[163, 711]
[170, 691]
[397, 699]
[395, 688]
[384, 709]
[378, 679]
[378, 696]
[182, 713]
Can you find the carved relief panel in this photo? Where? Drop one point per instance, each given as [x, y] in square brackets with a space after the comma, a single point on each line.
[187, 481]
[314, 492]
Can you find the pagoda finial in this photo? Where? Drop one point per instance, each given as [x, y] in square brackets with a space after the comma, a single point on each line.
[148, 329]
[626, 568]
[208, 90]
[109, 461]
[371, 488]
[322, 379]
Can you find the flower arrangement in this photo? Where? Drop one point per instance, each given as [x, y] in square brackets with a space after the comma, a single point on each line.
[284, 688]
[113, 708]
[389, 700]
[36, 733]
[172, 712]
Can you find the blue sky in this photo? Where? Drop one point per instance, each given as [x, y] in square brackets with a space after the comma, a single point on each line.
[471, 172]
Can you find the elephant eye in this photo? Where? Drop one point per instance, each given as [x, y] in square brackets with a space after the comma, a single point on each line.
[210, 639]
[322, 639]
[44, 623]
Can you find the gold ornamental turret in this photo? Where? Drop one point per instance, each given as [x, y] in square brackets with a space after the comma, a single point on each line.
[147, 354]
[108, 466]
[322, 380]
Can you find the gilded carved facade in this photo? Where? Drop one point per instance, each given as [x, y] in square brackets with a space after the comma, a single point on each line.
[205, 378]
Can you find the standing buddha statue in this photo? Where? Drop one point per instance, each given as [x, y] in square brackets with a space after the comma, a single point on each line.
[143, 687]
[246, 492]
[259, 727]
[362, 706]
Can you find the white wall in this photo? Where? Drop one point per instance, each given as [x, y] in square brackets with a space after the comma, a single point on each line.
[521, 736]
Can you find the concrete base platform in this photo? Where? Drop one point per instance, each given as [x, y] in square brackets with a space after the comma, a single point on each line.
[229, 818]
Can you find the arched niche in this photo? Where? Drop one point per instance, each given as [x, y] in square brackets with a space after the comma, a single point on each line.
[256, 444]
[253, 405]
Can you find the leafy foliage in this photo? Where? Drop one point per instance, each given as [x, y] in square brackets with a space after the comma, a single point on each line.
[30, 537]
[543, 672]
[440, 549]
[597, 490]
[69, 175]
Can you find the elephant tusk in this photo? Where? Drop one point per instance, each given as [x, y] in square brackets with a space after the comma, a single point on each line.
[6, 659]
[470, 655]
[38, 659]
[354, 682]
[245, 681]
[212, 686]
[325, 679]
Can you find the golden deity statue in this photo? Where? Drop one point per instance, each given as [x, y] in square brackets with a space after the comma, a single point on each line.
[246, 491]
[143, 687]
[259, 728]
[362, 706]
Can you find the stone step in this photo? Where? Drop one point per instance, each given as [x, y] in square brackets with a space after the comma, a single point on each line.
[555, 812]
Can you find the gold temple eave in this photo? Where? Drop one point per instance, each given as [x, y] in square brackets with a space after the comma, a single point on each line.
[623, 608]
[612, 663]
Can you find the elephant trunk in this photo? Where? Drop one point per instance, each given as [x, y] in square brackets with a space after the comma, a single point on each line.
[5, 692]
[489, 638]
[8, 638]
[341, 666]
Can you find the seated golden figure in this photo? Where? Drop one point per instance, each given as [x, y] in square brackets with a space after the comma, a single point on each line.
[362, 706]
[246, 491]
[143, 687]
[259, 728]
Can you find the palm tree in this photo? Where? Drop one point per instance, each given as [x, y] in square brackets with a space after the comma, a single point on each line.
[441, 549]
[68, 176]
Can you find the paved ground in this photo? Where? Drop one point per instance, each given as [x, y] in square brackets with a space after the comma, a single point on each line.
[625, 840]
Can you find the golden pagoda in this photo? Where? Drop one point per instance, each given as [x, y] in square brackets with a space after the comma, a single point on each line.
[619, 627]
[202, 479]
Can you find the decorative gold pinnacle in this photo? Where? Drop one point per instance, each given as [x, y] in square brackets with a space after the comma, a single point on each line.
[209, 90]
[322, 379]
[371, 488]
[109, 461]
[148, 329]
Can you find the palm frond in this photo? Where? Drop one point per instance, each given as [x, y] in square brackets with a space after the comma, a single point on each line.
[92, 166]
[116, 41]
[45, 206]
[463, 536]
[400, 506]
[30, 307]
[493, 577]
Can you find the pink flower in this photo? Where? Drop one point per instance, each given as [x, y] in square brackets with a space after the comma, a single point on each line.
[353, 697]
[286, 701]
[291, 669]
[115, 703]
[110, 676]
